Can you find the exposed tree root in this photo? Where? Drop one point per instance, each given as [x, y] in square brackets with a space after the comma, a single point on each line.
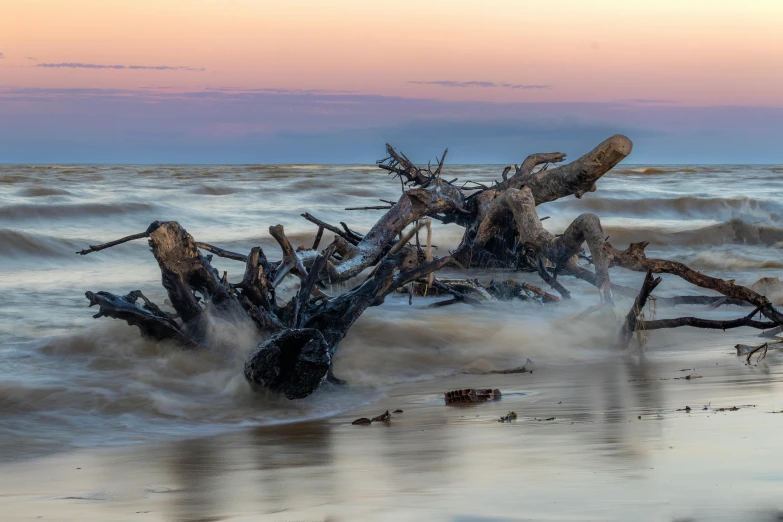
[502, 230]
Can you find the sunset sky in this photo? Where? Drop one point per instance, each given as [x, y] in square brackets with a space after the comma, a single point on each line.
[316, 81]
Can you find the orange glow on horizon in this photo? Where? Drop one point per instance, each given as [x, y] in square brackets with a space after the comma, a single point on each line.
[700, 52]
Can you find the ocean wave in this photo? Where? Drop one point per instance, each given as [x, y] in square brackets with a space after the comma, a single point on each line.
[359, 191]
[58, 167]
[684, 206]
[105, 384]
[399, 343]
[13, 178]
[645, 170]
[734, 231]
[214, 190]
[108, 369]
[74, 210]
[722, 260]
[691, 169]
[20, 244]
[35, 192]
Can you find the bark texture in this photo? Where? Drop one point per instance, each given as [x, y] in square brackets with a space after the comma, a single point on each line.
[502, 230]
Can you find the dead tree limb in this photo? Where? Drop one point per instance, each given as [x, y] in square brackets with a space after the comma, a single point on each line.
[573, 269]
[631, 322]
[141, 235]
[708, 323]
[575, 178]
[221, 252]
[376, 207]
[326, 226]
[151, 320]
[634, 258]
[291, 262]
[459, 297]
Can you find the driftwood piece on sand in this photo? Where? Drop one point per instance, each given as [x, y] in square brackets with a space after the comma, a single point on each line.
[750, 351]
[501, 230]
[469, 395]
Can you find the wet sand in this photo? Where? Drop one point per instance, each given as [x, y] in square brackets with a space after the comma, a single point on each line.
[68, 381]
[593, 441]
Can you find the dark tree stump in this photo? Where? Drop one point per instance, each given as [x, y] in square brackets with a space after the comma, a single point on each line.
[294, 362]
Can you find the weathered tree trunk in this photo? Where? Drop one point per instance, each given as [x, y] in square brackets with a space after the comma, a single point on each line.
[502, 229]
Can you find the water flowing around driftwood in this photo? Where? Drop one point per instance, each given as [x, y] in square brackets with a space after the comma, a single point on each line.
[60, 369]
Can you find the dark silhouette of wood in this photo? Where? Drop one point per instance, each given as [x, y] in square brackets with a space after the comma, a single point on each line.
[632, 318]
[501, 230]
[153, 322]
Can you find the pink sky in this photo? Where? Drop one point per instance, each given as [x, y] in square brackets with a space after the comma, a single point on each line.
[695, 52]
[690, 53]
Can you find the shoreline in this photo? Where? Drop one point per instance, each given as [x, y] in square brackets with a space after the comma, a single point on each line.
[596, 460]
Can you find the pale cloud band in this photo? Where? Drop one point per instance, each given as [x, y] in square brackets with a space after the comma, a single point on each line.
[274, 125]
[71, 65]
[450, 83]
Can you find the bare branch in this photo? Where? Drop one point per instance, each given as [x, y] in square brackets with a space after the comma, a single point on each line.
[632, 318]
[222, 253]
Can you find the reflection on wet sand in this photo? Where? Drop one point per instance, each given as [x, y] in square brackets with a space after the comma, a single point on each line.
[601, 441]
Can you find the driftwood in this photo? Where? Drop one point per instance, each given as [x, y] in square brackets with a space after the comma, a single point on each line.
[469, 395]
[750, 351]
[153, 322]
[631, 323]
[502, 230]
[474, 292]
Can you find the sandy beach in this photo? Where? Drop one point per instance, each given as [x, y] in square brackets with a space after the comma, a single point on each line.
[608, 440]
[100, 424]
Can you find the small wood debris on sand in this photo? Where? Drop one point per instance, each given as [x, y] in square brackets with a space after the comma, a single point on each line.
[470, 395]
[383, 417]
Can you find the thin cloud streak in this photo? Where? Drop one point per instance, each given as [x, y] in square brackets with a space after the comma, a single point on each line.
[277, 90]
[1, 56]
[474, 83]
[648, 101]
[76, 65]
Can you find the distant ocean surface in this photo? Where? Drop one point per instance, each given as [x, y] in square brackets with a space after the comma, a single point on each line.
[67, 380]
